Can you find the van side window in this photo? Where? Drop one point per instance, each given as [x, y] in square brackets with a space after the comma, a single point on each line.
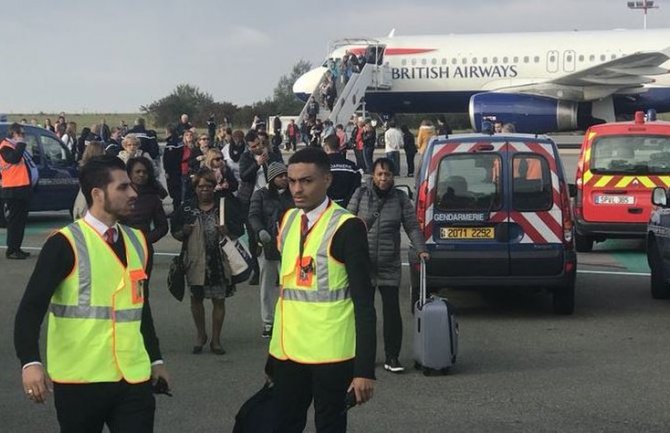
[469, 182]
[531, 183]
[54, 151]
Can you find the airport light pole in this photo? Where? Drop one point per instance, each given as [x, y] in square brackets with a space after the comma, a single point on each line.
[643, 5]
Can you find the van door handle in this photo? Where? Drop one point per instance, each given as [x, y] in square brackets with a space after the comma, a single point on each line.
[635, 210]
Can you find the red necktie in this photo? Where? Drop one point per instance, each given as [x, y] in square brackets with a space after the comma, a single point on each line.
[304, 227]
[110, 234]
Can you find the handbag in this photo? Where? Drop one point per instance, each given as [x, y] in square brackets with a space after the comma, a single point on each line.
[235, 253]
[176, 277]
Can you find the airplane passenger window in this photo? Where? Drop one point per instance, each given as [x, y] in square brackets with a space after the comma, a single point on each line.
[581, 57]
[434, 61]
[404, 62]
[536, 59]
[424, 61]
[465, 60]
[485, 60]
[444, 61]
[413, 62]
[526, 59]
[515, 60]
[613, 56]
[505, 59]
[454, 61]
[602, 57]
[494, 60]
[474, 60]
[592, 58]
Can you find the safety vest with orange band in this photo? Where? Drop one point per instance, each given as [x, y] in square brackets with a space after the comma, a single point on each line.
[13, 175]
[95, 313]
[314, 318]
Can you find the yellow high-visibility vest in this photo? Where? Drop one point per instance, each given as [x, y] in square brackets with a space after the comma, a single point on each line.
[96, 311]
[314, 317]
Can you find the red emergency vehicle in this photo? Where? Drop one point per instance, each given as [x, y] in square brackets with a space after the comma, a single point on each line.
[620, 163]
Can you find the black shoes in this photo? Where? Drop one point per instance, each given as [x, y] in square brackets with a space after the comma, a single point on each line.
[267, 331]
[393, 365]
[18, 255]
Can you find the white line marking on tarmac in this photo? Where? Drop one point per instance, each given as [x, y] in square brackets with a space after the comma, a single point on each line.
[631, 274]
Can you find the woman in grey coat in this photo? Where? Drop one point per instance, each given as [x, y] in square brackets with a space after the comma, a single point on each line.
[384, 209]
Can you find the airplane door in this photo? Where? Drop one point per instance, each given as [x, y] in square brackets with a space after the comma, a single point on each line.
[552, 61]
[569, 61]
[374, 54]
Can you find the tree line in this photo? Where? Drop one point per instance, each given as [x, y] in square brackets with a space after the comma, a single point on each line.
[200, 106]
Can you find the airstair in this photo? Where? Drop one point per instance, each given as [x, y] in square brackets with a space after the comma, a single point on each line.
[350, 96]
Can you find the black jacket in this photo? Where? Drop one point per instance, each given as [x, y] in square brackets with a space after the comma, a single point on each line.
[248, 173]
[266, 208]
[346, 179]
[172, 158]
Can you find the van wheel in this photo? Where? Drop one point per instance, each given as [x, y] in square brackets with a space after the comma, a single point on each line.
[583, 244]
[660, 289]
[564, 299]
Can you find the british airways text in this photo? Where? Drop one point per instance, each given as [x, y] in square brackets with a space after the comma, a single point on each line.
[443, 72]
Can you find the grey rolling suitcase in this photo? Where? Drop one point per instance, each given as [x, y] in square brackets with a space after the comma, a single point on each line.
[435, 331]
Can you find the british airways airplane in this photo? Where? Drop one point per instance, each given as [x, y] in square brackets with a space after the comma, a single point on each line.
[541, 82]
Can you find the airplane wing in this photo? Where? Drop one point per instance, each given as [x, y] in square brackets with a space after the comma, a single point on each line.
[625, 75]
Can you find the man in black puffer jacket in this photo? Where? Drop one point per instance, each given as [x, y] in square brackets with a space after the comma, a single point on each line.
[268, 204]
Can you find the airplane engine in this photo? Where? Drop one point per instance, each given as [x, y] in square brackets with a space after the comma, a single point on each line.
[528, 113]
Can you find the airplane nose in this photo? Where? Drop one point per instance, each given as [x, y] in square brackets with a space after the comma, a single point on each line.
[307, 82]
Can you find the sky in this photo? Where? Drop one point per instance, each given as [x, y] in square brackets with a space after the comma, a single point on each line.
[116, 55]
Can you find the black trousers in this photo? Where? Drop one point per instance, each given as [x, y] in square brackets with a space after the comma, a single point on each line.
[392, 321]
[296, 385]
[410, 162]
[174, 189]
[123, 407]
[17, 215]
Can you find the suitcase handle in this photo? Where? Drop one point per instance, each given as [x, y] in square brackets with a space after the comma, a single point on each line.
[423, 294]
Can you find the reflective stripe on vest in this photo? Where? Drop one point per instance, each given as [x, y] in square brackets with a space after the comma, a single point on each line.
[83, 309]
[301, 334]
[13, 175]
[96, 312]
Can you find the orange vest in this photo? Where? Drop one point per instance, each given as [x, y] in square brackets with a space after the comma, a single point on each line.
[13, 175]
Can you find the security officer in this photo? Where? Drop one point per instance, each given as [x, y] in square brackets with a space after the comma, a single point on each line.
[19, 173]
[323, 341]
[102, 349]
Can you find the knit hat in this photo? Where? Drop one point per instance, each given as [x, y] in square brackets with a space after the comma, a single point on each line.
[275, 169]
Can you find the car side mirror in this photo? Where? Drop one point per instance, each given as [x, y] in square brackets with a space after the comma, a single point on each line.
[407, 190]
[659, 197]
[572, 190]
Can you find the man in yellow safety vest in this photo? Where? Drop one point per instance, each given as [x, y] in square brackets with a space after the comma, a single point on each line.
[323, 342]
[102, 350]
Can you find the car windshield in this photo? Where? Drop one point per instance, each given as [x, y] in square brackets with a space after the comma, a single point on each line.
[469, 182]
[635, 154]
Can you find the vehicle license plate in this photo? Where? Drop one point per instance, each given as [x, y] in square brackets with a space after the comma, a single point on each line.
[467, 233]
[615, 199]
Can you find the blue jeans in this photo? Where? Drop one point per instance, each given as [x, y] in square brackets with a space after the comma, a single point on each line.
[395, 157]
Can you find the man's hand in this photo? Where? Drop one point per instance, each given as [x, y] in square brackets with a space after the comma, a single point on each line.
[158, 371]
[36, 384]
[187, 229]
[424, 256]
[363, 388]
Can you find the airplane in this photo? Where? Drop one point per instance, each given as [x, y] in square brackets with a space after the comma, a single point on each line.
[540, 82]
